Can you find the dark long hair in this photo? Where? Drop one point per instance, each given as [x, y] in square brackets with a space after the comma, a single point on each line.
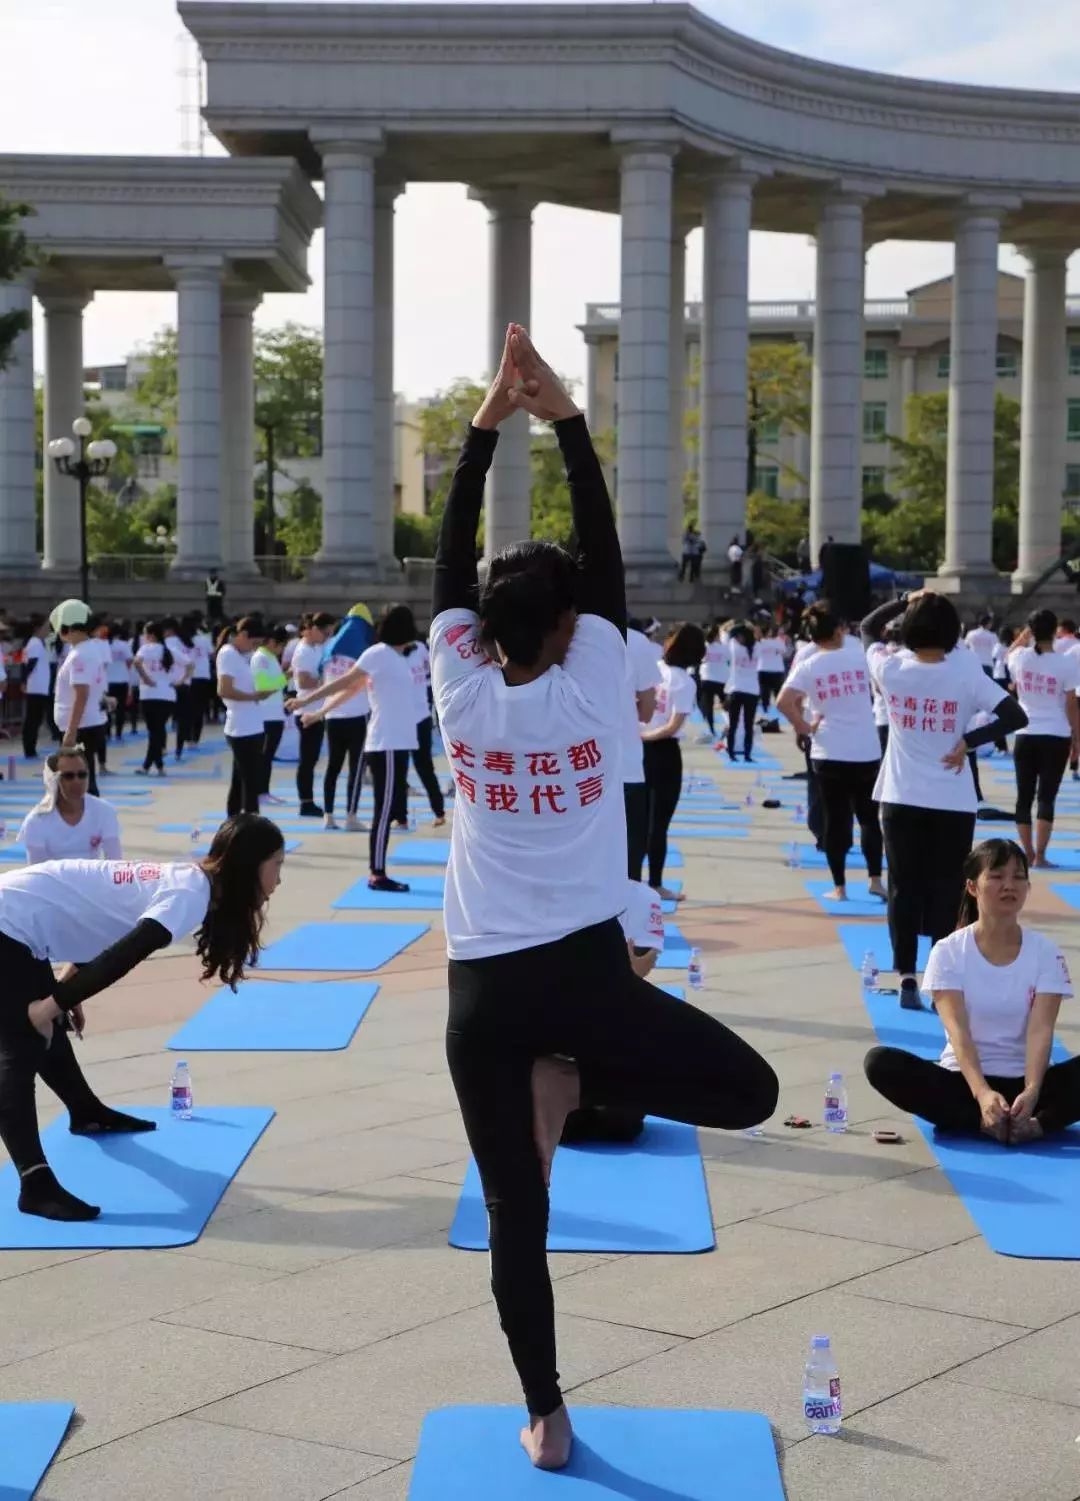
[685, 647]
[1043, 626]
[529, 588]
[231, 933]
[991, 854]
[157, 629]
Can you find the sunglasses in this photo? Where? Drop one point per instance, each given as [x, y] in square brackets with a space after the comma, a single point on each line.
[74, 776]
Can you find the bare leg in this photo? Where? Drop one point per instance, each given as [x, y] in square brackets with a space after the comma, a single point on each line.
[1043, 829]
[1023, 833]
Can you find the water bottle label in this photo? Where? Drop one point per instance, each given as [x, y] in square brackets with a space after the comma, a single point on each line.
[832, 1104]
[818, 1410]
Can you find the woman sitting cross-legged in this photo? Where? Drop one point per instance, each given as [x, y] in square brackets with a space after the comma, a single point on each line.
[997, 988]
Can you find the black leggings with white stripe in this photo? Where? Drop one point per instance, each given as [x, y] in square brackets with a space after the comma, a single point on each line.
[388, 772]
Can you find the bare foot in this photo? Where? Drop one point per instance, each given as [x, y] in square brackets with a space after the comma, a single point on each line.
[669, 895]
[999, 1133]
[437, 823]
[1026, 1129]
[548, 1441]
[1042, 863]
[556, 1090]
[838, 894]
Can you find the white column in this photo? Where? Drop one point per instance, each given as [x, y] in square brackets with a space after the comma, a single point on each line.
[198, 502]
[508, 496]
[63, 403]
[969, 485]
[724, 344]
[836, 395]
[645, 352]
[18, 530]
[1042, 415]
[348, 516]
[238, 434]
[677, 391]
[383, 458]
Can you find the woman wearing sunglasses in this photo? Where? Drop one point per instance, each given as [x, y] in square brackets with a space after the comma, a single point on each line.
[70, 823]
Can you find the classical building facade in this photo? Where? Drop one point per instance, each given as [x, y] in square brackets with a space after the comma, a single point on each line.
[651, 112]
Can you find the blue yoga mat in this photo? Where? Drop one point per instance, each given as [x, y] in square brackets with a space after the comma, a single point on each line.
[720, 831]
[30, 1434]
[425, 894]
[859, 903]
[647, 1196]
[1064, 859]
[857, 938]
[674, 858]
[1070, 895]
[12, 854]
[212, 822]
[814, 859]
[155, 1189]
[277, 1016]
[676, 951]
[421, 852]
[354, 946]
[473, 1454]
[204, 849]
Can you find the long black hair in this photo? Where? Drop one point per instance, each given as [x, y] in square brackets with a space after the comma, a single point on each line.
[397, 626]
[1043, 626]
[991, 854]
[157, 629]
[685, 647]
[231, 933]
[528, 589]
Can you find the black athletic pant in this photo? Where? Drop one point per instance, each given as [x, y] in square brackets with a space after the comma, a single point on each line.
[388, 772]
[156, 712]
[663, 784]
[344, 737]
[1040, 762]
[943, 1097]
[771, 683]
[35, 707]
[425, 770]
[707, 694]
[24, 1054]
[815, 810]
[311, 739]
[247, 773]
[273, 730]
[200, 703]
[925, 849]
[183, 718]
[973, 762]
[883, 737]
[744, 704]
[635, 1047]
[119, 692]
[636, 798]
[93, 740]
[847, 789]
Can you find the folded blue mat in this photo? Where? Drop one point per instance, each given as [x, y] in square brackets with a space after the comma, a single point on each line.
[676, 951]
[425, 894]
[155, 1189]
[859, 901]
[353, 946]
[1025, 1201]
[420, 852]
[858, 938]
[629, 1453]
[277, 1016]
[647, 1196]
[720, 831]
[30, 1434]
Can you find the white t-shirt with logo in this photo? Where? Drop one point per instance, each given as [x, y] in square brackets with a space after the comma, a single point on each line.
[642, 673]
[202, 646]
[716, 663]
[307, 658]
[36, 652]
[47, 836]
[881, 708]
[264, 661]
[152, 657]
[84, 666]
[538, 848]
[245, 717]
[997, 997]
[803, 650]
[770, 654]
[836, 686]
[743, 677]
[1042, 679]
[642, 919]
[357, 703]
[930, 706]
[183, 660]
[120, 655]
[674, 695]
[71, 910]
[1066, 643]
[980, 642]
[421, 676]
[1000, 664]
[393, 699]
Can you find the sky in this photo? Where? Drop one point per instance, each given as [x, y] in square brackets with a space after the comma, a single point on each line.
[115, 87]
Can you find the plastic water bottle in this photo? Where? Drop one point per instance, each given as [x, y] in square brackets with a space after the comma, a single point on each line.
[196, 835]
[748, 800]
[695, 971]
[180, 1093]
[792, 861]
[821, 1388]
[869, 973]
[836, 1111]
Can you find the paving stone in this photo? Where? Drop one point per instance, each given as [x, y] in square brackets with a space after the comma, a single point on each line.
[919, 1210]
[1040, 1365]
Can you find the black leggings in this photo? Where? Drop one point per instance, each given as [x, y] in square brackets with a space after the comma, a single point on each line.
[636, 799]
[663, 784]
[388, 772]
[771, 683]
[1040, 762]
[183, 718]
[247, 773]
[311, 739]
[847, 789]
[156, 712]
[744, 704]
[35, 706]
[344, 737]
[94, 740]
[635, 1047]
[273, 729]
[942, 1096]
[199, 689]
[707, 694]
[119, 692]
[24, 1055]
[925, 849]
[425, 770]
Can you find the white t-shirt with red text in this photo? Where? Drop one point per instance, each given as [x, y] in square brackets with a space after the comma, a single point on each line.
[674, 695]
[743, 677]
[538, 848]
[1042, 680]
[45, 835]
[836, 687]
[642, 919]
[717, 662]
[393, 699]
[980, 642]
[642, 673]
[84, 666]
[770, 654]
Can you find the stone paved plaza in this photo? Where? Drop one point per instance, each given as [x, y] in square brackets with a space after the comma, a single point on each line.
[292, 1352]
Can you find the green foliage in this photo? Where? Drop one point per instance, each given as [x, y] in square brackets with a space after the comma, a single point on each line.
[300, 527]
[157, 390]
[909, 536]
[778, 386]
[443, 421]
[289, 389]
[414, 536]
[777, 525]
[15, 256]
[112, 527]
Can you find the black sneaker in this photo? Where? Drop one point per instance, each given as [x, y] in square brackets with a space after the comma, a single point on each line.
[385, 883]
[910, 999]
[310, 810]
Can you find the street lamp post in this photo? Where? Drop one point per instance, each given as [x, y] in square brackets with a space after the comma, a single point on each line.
[93, 461]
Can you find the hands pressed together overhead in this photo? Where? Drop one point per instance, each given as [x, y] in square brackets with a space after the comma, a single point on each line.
[524, 382]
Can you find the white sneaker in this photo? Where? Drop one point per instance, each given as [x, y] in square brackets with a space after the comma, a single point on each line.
[354, 826]
[329, 822]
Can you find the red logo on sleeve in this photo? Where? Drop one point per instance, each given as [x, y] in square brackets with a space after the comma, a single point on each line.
[456, 632]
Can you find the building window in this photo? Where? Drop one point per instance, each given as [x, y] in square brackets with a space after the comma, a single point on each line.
[873, 480]
[874, 417]
[1073, 428]
[768, 430]
[767, 480]
[943, 363]
[1006, 364]
[875, 364]
[1074, 359]
[1072, 479]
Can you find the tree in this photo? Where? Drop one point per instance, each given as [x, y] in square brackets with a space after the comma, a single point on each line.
[15, 256]
[288, 409]
[777, 525]
[157, 389]
[443, 421]
[778, 378]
